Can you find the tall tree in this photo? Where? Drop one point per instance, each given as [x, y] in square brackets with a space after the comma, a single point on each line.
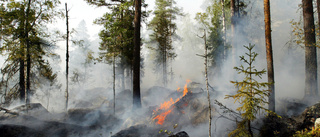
[163, 29]
[267, 19]
[28, 52]
[213, 20]
[224, 28]
[233, 29]
[136, 56]
[118, 35]
[318, 9]
[311, 83]
[23, 33]
[67, 57]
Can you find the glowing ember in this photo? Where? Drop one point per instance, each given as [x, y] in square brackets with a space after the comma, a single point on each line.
[166, 106]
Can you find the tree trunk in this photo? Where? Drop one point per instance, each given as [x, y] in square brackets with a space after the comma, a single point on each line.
[318, 8]
[233, 30]
[267, 19]
[136, 56]
[114, 83]
[311, 84]
[224, 29]
[123, 85]
[206, 76]
[21, 75]
[28, 53]
[165, 66]
[67, 59]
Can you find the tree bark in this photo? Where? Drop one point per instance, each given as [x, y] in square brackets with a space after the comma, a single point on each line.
[311, 84]
[114, 83]
[267, 20]
[207, 81]
[28, 54]
[318, 9]
[224, 28]
[136, 56]
[233, 30]
[67, 59]
[21, 75]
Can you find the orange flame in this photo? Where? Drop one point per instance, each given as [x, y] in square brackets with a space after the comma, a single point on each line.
[167, 105]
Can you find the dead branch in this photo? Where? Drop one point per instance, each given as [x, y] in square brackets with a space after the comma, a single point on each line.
[9, 111]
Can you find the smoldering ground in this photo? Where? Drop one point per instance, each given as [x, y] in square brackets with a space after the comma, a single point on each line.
[91, 107]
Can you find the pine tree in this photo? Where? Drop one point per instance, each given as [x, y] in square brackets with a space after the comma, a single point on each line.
[24, 42]
[217, 45]
[251, 95]
[311, 83]
[269, 54]
[118, 36]
[163, 28]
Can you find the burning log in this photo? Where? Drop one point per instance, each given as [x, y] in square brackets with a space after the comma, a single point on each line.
[190, 107]
[167, 107]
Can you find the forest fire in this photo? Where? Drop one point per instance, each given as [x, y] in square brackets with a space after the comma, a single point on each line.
[167, 107]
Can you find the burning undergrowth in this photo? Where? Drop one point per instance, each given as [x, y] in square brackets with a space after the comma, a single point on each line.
[183, 107]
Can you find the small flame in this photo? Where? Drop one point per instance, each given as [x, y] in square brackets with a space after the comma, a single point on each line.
[167, 105]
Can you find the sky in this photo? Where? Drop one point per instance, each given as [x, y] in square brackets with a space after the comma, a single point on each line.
[80, 10]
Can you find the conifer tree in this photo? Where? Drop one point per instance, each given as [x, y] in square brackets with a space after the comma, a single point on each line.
[251, 95]
[214, 20]
[118, 36]
[163, 28]
[24, 42]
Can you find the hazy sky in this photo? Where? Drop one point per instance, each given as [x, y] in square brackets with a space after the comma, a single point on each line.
[80, 10]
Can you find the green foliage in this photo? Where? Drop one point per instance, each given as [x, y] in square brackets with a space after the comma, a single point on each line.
[118, 33]
[169, 133]
[16, 24]
[212, 21]
[297, 38]
[308, 133]
[163, 32]
[251, 95]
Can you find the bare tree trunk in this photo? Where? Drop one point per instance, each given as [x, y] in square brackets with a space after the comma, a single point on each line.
[21, 75]
[233, 31]
[123, 85]
[114, 84]
[28, 54]
[251, 95]
[311, 83]
[267, 19]
[67, 59]
[224, 28]
[318, 8]
[206, 76]
[136, 56]
[165, 67]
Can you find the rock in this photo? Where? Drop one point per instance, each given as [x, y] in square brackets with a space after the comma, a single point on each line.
[291, 107]
[138, 131]
[275, 126]
[19, 131]
[307, 117]
[32, 127]
[92, 118]
[180, 134]
[317, 123]
[287, 126]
